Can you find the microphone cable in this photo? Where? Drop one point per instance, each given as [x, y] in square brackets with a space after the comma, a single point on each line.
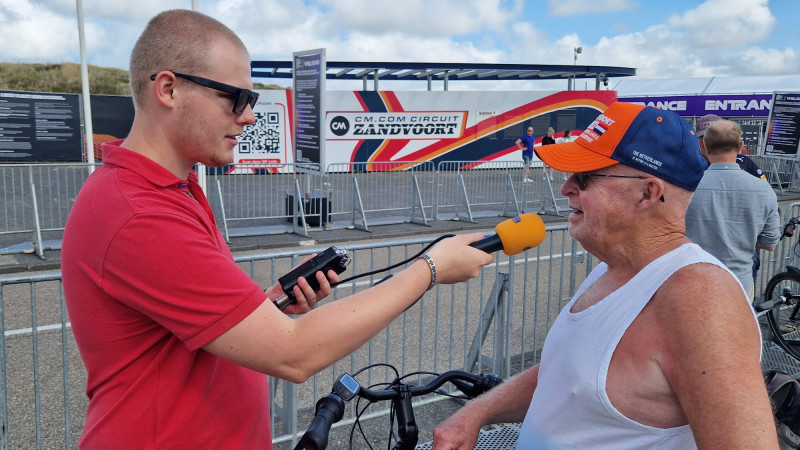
[393, 266]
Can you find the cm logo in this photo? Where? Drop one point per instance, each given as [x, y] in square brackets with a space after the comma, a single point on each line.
[340, 125]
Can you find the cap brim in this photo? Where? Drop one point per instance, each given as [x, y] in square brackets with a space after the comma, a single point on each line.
[573, 157]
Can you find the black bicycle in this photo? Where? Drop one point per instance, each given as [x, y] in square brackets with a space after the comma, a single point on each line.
[330, 408]
[782, 302]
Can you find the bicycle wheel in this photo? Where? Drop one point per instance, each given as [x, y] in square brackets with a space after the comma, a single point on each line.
[784, 320]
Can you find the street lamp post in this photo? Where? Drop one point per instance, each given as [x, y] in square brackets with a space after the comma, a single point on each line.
[575, 52]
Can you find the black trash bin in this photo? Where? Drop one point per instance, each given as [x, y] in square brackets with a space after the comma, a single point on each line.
[317, 209]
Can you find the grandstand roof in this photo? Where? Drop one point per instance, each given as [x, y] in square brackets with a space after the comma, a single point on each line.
[351, 70]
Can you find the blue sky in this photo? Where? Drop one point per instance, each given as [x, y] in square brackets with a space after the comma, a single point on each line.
[661, 39]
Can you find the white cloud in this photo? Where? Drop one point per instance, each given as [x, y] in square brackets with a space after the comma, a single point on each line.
[47, 31]
[656, 52]
[726, 23]
[33, 33]
[565, 8]
[758, 61]
[442, 18]
[355, 30]
[716, 37]
[709, 40]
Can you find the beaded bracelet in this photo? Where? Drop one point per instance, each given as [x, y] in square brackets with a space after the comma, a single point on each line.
[433, 269]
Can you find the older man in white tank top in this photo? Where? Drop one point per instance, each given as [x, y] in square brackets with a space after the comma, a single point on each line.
[633, 362]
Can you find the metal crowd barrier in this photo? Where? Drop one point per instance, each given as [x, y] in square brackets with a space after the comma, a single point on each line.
[496, 322]
[259, 199]
[471, 189]
[380, 193]
[786, 252]
[37, 199]
[482, 189]
[263, 199]
[781, 172]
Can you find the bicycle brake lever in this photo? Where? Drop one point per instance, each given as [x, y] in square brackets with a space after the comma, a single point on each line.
[484, 383]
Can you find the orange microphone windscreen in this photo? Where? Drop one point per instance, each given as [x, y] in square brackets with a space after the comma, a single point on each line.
[521, 233]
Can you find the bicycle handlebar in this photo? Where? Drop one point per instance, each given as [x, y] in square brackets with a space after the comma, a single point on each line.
[330, 408]
[781, 299]
[788, 229]
[479, 383]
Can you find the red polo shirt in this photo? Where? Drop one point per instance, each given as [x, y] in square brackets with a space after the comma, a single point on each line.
[148, 280]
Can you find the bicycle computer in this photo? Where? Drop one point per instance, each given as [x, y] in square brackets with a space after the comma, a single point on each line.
[346, 387]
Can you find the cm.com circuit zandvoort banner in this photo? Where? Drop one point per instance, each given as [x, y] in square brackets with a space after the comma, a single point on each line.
[387, 126]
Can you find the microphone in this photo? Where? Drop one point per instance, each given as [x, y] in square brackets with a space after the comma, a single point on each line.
[514, 235]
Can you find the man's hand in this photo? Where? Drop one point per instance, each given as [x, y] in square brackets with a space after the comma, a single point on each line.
[456, 433]
[306, 297]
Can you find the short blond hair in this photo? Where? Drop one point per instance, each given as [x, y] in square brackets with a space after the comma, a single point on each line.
[177, 39]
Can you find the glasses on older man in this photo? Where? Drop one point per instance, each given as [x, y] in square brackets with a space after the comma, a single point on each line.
[241, 97]
[583, 177]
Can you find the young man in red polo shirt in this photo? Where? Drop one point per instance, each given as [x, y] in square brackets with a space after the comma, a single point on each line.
[176, 338]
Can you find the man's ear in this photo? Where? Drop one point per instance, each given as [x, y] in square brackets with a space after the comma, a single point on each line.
[652, 192]
[164, 89]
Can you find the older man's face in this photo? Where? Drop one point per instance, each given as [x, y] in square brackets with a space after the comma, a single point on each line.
[601, 215]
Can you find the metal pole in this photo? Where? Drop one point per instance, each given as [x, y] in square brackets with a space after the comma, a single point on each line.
[202, 179]
[573, 78]
[87, 105]
[574, 63]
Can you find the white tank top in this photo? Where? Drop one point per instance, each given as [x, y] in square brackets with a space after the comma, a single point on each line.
[570, 408]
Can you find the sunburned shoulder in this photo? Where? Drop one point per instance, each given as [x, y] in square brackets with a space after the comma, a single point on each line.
[700, 286]
[682, 311]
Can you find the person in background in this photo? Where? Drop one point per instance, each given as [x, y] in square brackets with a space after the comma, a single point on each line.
[744, 162]
[175, 336]
[732, 213]
[548, 139]
[525, 143]
[634, 360]
[568, 137]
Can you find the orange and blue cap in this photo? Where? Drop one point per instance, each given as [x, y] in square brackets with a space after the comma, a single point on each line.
[652, 140]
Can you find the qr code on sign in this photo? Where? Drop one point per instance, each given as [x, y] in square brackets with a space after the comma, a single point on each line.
[263, 137]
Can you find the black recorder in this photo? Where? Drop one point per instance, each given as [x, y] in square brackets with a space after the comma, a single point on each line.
[334, 258]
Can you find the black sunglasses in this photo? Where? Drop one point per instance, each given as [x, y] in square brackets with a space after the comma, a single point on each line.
[241, 97]
[583, 177]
